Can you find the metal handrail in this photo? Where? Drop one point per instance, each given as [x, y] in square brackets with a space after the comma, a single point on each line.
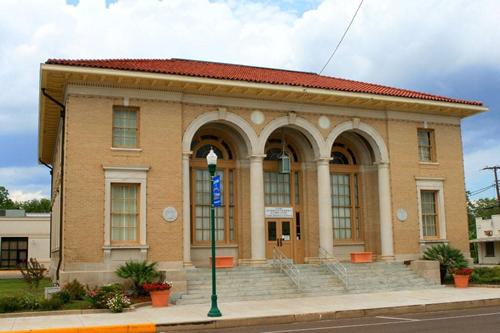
[335, 266]
[283, 263]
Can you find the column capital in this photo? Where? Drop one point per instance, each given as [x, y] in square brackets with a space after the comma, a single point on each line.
[324, 160]
[382, 164]
[186, 154]
[256, 157]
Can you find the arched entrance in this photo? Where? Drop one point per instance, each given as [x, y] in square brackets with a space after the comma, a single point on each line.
[283, 193]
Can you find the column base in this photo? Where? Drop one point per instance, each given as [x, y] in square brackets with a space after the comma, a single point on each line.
[387, 258]
[253, 262]
[188, 265]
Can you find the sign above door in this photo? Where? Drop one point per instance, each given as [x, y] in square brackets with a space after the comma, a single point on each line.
[278, 212]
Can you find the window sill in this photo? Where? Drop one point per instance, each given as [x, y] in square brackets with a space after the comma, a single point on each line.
[135, 150]
[207, 246]
[433, 241]
[428, 163]
[125, 247]
[347, 243]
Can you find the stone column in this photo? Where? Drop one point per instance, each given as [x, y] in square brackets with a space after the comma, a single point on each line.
[257, 225]
[384, 197]
[325, 205]
[186, 209]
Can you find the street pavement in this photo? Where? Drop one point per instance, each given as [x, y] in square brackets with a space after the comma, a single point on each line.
[480, 320]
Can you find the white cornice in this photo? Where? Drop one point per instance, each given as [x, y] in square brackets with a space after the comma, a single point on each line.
[90, 90]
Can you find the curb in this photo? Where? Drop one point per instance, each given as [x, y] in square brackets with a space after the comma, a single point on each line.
[132, 328]
[329, 315]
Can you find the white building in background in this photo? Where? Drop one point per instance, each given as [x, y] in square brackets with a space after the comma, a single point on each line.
[488, 239]
[23, 236]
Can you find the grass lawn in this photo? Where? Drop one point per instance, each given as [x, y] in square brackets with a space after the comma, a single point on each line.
[18, 287]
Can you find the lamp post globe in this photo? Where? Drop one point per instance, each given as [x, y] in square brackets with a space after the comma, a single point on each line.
[212, 164]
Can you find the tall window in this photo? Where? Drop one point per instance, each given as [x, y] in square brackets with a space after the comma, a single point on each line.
[344, 184]
[225, 215]
[426, 145]
[14, 252]
[125, 127]
[429, 214]
[490, 249]
[124, 212]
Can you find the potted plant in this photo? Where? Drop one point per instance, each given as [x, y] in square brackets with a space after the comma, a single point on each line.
[450, 259]
[461, 277]
[139, 273]
[159, 291]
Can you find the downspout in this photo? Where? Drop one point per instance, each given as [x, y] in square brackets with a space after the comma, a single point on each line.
[51, 192]
[63, 137]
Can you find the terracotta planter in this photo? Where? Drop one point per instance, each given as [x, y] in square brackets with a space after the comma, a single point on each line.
[461, 281]
[361, 257]
[222, 261]
[159, 298]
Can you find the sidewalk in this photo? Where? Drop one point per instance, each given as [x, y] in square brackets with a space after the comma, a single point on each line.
[271, 311]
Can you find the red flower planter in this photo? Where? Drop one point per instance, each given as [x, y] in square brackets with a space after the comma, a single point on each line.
[361, 257]
[461, 281]
[222, 261]
[159, 298]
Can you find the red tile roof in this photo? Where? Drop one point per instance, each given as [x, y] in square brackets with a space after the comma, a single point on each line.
[253, 74]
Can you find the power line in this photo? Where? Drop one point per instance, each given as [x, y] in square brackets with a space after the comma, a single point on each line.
[341, 39]
[481, 190]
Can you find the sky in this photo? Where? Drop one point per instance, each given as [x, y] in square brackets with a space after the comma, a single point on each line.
[449, 48]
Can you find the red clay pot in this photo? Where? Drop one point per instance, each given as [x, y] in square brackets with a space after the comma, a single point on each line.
[461, 281]
[159, 298]
[222, 261]
[360, 257]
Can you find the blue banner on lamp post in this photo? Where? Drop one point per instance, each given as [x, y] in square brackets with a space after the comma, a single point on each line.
[216, 191]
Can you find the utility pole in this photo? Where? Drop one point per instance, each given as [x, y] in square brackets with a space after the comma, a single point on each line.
[495, 168]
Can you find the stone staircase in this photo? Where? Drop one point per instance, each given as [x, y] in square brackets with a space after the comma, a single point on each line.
[255, 283]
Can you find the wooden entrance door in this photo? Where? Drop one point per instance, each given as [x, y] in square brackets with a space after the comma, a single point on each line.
[280, 234]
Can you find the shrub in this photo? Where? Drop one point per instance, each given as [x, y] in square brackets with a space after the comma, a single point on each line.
[99, 297]
[486, 275]
[449, 258]
[75, 289]
[118, 302]
[31, 302]
[10, 304]
[51, 304]
[33, 272]
[139, 272]
[63, 295]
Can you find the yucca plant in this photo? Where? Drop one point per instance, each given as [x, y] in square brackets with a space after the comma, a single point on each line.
[450, 259]
[139, 273]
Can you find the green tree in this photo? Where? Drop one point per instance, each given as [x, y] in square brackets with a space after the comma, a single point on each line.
[5, 201]
[36, 205]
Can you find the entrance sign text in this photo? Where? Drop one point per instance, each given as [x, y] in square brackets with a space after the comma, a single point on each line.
[278, 212]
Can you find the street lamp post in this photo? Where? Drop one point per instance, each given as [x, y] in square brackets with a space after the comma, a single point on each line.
[212, 165]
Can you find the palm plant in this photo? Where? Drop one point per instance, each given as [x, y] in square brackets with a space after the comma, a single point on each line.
[450, 259]
[139, 273]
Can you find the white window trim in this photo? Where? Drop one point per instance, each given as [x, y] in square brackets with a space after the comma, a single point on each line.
[127, 175]
[432, 184]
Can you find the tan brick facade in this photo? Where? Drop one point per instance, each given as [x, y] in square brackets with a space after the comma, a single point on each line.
[164, 125]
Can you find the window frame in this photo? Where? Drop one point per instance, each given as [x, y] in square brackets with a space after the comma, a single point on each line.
[126, 175]
[436, 185]
[432, 145]
[137, 213]
[488, 254]
[118, 108]
[223, 164]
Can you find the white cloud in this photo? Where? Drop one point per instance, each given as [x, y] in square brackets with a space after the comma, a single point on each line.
[474, 162]
[25, 196]
[391, 42]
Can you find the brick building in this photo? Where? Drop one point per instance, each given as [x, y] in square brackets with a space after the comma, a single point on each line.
[306, 161]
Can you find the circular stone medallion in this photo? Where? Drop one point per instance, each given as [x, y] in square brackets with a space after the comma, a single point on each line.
[402, 214]
[170, 214]
[324, 122]
[257, 117]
